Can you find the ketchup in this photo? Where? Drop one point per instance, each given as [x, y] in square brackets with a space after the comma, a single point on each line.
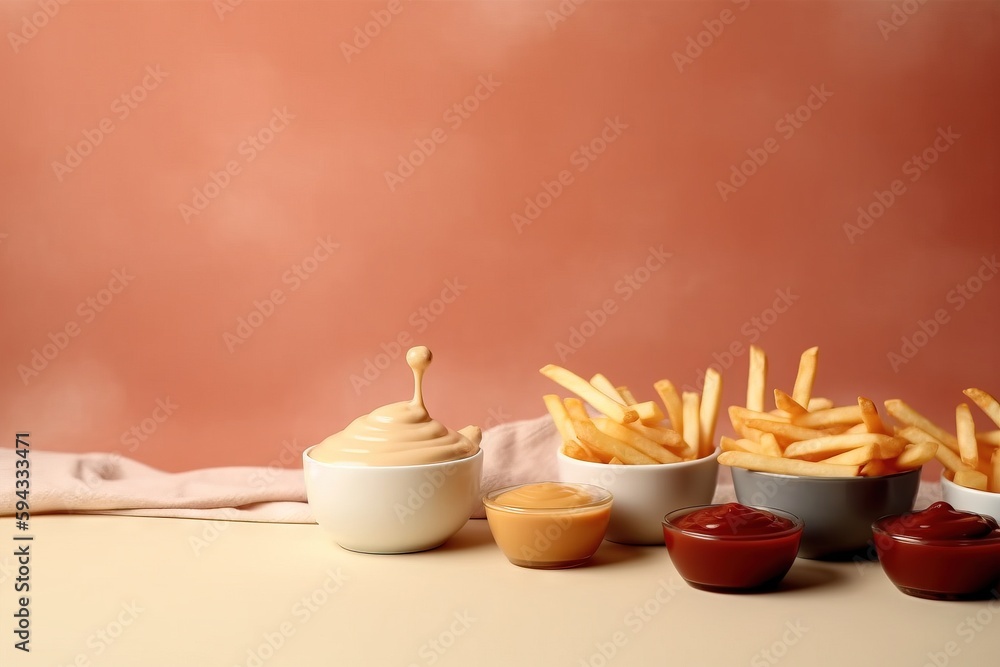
[733, 519]
[941, 521]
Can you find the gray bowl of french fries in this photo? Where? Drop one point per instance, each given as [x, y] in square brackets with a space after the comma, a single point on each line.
[841, 467]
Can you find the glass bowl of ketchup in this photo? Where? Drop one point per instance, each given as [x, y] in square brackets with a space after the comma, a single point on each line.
[732, 547]
[940, 553]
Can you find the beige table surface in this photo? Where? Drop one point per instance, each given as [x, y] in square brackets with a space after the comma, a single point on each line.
[143, 591]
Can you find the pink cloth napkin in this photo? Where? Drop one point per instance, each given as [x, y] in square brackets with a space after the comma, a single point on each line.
[107, 483]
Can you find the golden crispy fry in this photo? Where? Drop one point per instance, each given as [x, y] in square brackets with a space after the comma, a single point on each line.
[749, 433]
[907, 415]
[615, 461]
[787, 404]
[995, 472]
[784, 466]
[950, 459]
[848, 414]
[606, 387]
[972, 479]
[769, 444]
[986, 403]
[575, 450]
[649, 412]
[806, 376]
[915, 455]
[756, 379]
[826, 446]
[856, 456]
[877, 468]
[869, 416]
[787, 432]
[742, 445]
[739, 415]
[626, 395]
[658, 434]
[692, 424]
[991, 438]
[819, 404]
[559, 416]
[575, 409]
[672, 402]
[857, 428]
[587, 392]
[629, 437]
[891, 448]
[965, 430]
[589, 434]
[711, 396]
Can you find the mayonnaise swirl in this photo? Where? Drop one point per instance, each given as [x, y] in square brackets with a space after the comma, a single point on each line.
[400, 434]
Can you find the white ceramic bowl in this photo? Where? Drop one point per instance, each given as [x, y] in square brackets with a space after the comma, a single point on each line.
[645, 493]
[970, 500]
[392, 509]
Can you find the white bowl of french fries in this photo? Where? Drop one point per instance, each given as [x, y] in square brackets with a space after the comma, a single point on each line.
[837, 467]
[651, 463]
[971, 478]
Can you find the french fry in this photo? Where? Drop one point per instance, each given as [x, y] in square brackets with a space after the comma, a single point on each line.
[856, 456]
[991, 438]
[727, 444]
[590, 394]
[769, 444]
[615, 461]
[692, 424]
[857, 428]
[649, 412]
[626, 395]
[915, 455]
[711, 395]
[891, 448]
[877, 468]
[739, 414]
[637, 442]
[785, 466]
[606, 387]
[907, 415]
[575, 450]
[787, 404]
[829, 445]
[788, 432]
[965, 430]
[749, 433]
[672, 402]
[986, 403]
[950, 459]
[869, 416]
[995, 472]
[848, 414]
[972, 479]
[658, 434]
[575, 409]
[610, 447]
[559, 416]
[756, 379]
[819, 404]
[806, 376]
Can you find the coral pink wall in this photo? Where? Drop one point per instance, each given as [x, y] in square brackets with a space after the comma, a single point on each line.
[205, 154]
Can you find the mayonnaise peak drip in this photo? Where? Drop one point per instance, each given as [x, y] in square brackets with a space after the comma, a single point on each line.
[400, 434]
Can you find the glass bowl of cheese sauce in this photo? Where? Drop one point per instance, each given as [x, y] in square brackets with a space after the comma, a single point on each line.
[548, 525]
[395, 480]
